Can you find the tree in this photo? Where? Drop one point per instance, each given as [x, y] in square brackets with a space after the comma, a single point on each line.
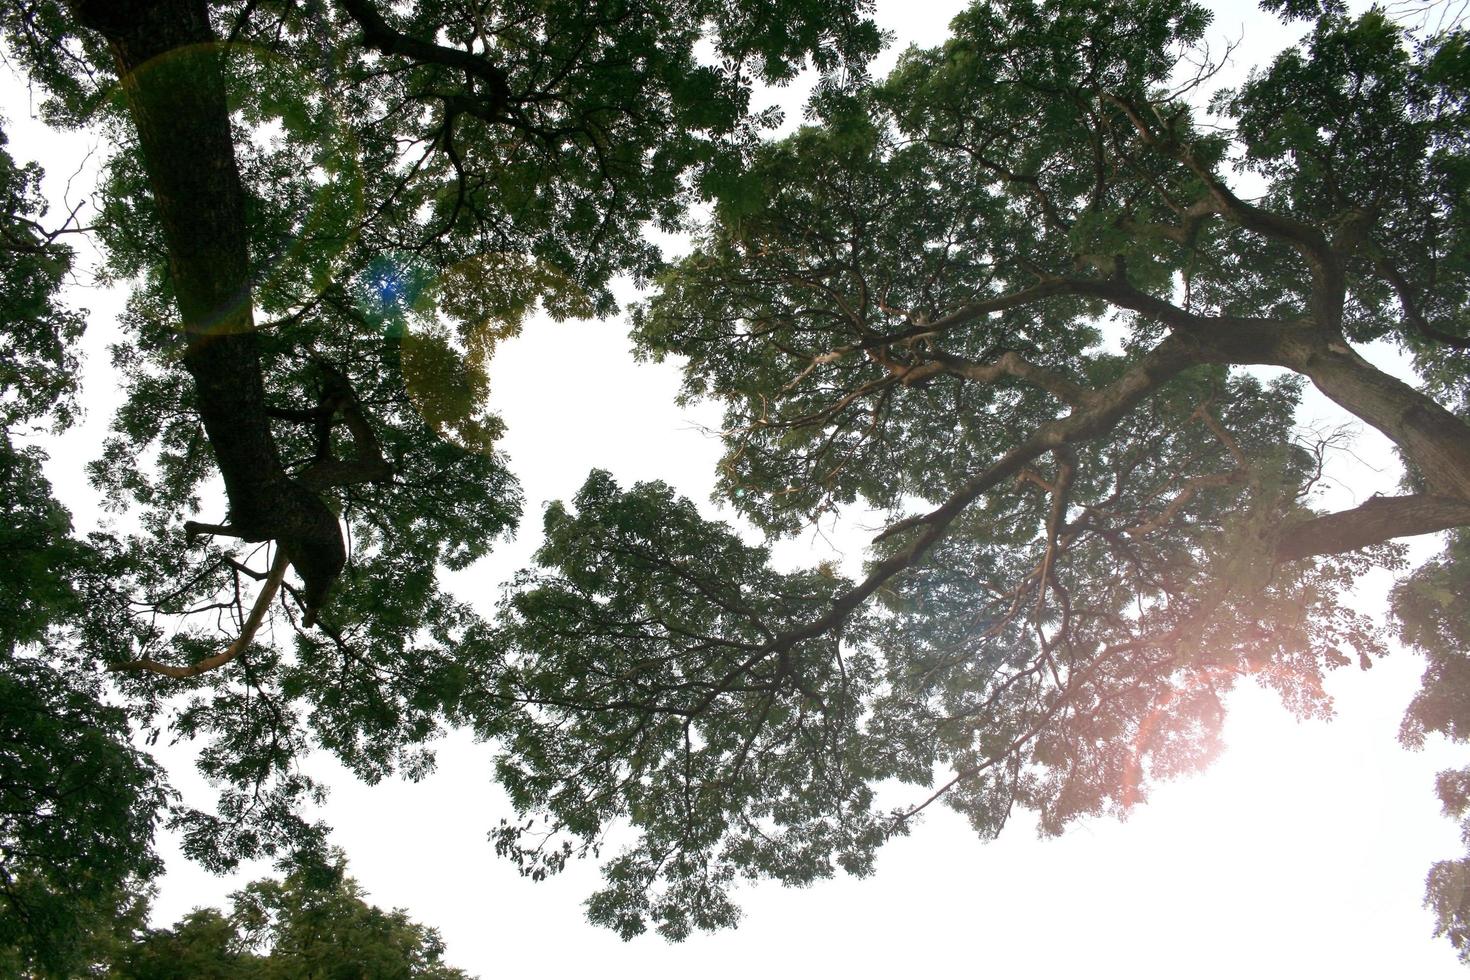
[313, 923]
[1007, 295]
[77, 801]
[330, 213]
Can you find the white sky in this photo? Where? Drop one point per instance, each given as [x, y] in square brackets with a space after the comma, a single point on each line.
[1301, 852]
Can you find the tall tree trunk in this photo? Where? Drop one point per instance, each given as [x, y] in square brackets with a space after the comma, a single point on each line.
[168, 61]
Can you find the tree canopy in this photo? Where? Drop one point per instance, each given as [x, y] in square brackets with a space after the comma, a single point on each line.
[314, 922]
[1023, 342]
[1023, 296]
[77, 800]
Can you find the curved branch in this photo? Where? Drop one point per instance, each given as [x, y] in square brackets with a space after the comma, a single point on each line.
[1412, 313]
[247, 632]
[379, 36]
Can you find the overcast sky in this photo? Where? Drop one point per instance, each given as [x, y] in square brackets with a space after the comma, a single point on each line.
[1301, 852]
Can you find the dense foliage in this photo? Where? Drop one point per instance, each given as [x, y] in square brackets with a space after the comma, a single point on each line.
[325, 241]
[312, 923]
[77, 800]
[1005, 296]
[1013, 296]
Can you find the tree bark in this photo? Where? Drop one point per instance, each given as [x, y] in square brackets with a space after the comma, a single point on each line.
[1380, 519]
[1431, 437]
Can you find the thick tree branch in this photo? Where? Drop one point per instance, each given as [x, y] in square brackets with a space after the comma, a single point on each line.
[168, 65]
[1380, 519]
[1432, 437]
[1435, 439]
[378, 35]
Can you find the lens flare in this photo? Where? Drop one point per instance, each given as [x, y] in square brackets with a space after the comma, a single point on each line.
[1198, 692]
[391, 290]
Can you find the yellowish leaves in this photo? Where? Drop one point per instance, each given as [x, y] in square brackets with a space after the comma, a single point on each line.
[487, 299]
